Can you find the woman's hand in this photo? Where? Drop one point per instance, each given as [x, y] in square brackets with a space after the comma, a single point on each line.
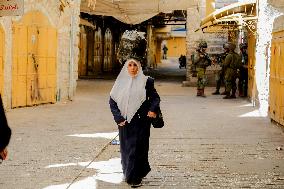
[152, 114]
[3, 154]
[121, 124]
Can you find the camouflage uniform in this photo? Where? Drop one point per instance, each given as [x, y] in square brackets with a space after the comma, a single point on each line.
[231, 64]
[201, 60]
[221, 73]
[243, 77]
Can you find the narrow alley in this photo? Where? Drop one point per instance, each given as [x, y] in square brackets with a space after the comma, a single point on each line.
[206, 143]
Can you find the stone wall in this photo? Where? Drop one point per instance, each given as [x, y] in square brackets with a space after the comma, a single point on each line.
[67, 60]
[192, 37]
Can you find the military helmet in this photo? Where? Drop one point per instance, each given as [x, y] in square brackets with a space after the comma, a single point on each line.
[202, 44]
[230, 46]
[243, 46]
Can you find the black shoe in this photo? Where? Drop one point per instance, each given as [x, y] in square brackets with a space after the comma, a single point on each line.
[224, 93]
[233, 96]
[135, 183]
[216, 93]
[227, 97]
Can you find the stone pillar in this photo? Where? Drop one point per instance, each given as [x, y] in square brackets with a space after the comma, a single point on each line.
[192, 38]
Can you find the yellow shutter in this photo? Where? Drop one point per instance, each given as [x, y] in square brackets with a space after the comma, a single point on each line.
[34, 61]
[276, 91]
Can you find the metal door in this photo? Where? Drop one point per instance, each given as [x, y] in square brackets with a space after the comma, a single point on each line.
[274, 111]
[276, 89]
[252, 91]
[281, 79]
[108, 55]
[34, 61]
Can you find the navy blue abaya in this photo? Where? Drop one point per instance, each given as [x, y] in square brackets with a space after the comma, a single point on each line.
[134, 136]
[5, 131]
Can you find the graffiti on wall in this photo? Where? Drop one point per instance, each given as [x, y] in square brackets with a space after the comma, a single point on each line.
[11, 7]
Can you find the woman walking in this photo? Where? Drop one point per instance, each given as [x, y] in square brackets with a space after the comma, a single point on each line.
[133, 101]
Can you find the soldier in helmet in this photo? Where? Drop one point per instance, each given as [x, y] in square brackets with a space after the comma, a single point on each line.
[243, 76]
[201, 60]
[221, 73]
[231, 65]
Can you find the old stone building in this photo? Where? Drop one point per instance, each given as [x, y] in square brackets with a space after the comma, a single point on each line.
[42, 50]
[40, 53]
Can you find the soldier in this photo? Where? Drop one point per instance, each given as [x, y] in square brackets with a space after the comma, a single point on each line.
[243, 77]
[231, 65]
[220, 74]
[201, 60]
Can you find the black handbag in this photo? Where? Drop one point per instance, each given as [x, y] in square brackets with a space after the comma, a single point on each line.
[158, 121]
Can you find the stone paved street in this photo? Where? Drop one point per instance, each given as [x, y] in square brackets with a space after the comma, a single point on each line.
[206, 143]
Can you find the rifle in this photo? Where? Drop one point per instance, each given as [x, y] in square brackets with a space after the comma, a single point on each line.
[206, 56]
[220, 58]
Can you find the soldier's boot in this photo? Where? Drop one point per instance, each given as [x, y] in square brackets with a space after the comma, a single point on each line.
[233, 95]
[241, 92]
[245, 93]
[216, 92]
[202, 93]
[227, 96]
[224, 93]
[198, 92]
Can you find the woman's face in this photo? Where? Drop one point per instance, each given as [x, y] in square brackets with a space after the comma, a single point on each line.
[132, 68]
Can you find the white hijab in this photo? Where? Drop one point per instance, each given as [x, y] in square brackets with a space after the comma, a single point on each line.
[129, 92]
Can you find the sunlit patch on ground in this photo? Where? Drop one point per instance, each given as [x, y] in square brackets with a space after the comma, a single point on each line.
[107, 171]
[255, 113]
[246, 105]
[96, 135]
[87, 183]
[62, 165]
